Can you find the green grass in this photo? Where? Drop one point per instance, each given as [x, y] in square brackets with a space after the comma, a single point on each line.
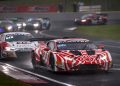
[8, 81]
[101, 31]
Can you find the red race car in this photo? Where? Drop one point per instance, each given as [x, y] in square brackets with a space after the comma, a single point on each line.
[92, 19]
[71, 54]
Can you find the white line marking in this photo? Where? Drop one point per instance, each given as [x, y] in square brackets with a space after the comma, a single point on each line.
[118, 65]
[115, 53]
[109, 45]
[114, 41]
[72, 28]
[44, 77]
[115, 69]
[112, 46]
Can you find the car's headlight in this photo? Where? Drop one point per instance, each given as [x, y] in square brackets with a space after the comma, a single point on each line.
[36, 31]
[24, 24]
[9, 28]
[36, 24]
[19, 27]
[9, 48]
[83, 20]
[102, 57]
[18, 24]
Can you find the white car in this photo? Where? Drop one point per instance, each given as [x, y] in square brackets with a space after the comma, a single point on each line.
[13, 42]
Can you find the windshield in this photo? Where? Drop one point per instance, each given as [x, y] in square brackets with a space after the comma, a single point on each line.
[76, 46]
[34, 21]
[18, 37]
[86, 16]
[6, 23]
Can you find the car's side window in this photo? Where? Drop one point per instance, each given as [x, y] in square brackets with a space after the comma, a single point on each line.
[51, 45]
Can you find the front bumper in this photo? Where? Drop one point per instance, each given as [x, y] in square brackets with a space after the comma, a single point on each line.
[9, 54]
[86, 67]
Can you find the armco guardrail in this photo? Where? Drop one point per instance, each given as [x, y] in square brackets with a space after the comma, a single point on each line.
[114, 15]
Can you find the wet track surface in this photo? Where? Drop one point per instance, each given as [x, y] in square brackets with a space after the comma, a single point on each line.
[76, 78]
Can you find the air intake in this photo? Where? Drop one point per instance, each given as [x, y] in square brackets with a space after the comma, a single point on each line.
[90, 52]
[76, 52]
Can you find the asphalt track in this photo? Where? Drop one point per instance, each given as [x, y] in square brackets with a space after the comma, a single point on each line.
[59, 28]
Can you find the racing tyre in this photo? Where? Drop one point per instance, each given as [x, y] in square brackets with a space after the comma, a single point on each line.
[41, 61]
[52, 63]
[104, 22]
[107, 71]
[89, 22]
[1, 54]
[34, 63]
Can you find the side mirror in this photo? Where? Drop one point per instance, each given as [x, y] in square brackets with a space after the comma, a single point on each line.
[46, 49]
[58, 50]
[101, 46]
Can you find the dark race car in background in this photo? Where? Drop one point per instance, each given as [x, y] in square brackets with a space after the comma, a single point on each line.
[33, 24]
[92, 19]
[71, 54]
[39, 24]
[7, 26]
[19, 22]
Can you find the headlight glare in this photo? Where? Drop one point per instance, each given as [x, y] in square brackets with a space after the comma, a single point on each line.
[9, 28]
[83, 20]
[36, 24]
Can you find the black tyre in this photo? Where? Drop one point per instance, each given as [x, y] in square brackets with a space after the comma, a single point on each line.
[104, 22]
[52, 62]
[34, 63]
[41, 62]
[89, 22]
[1, 54]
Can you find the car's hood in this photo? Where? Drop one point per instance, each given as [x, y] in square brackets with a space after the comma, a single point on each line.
[22, 44]
[73, 54]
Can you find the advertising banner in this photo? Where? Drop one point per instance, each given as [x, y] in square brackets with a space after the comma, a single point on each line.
[28, 8]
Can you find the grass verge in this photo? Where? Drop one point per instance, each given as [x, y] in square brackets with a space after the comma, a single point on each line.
[8, 81]
[101, 31]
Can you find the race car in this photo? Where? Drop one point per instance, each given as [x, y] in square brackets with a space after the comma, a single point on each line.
[33, 24]
[92, 19]
[13, 42]
[19, 22]
[71, 54]
[37, 24]
[7, 26]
